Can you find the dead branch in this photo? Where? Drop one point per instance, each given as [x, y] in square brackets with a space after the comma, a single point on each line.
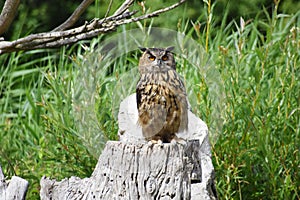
[74, 17]
[8, 13]
[123, 7]
[88, 30]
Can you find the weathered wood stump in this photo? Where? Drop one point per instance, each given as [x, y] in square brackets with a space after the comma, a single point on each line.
[15, 189]
[133, 169]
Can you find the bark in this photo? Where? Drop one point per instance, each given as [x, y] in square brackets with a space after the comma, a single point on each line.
[8, 13]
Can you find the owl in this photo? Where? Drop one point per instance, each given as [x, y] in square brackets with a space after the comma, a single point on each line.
[161, 96]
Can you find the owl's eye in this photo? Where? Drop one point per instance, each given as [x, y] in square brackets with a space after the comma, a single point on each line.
[164, 58]
[152, 58]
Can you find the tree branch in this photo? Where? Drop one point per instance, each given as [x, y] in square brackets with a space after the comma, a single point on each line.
[155, 13]
[8, 13]
[75, 15]
[86, 31]
[123, 7]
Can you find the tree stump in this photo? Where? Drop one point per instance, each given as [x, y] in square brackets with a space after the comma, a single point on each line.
[15, 189]
[133, 169]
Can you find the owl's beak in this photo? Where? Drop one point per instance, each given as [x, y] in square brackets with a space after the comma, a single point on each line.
[159, 62]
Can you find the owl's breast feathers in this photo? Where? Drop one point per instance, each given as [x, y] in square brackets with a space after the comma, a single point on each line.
[161, 102]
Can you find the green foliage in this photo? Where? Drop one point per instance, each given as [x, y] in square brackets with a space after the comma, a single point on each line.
[258, 152]
[256, 155]
[37, 136]
[122, 81]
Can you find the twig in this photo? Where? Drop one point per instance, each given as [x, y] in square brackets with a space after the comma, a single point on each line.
[155, 13]
[75, 15]
[123, 7]
[108, 9]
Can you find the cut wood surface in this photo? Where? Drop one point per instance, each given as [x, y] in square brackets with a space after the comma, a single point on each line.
[137, 171]
[133, 169]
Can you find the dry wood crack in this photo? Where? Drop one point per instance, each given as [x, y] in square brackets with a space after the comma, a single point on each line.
[133, 171]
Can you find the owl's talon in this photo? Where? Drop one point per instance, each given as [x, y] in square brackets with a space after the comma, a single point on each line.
[173, 142]
[152, 142]
[177, 140]
[159, 142]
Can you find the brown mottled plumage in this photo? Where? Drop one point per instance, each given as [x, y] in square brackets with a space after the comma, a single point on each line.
[161, 96]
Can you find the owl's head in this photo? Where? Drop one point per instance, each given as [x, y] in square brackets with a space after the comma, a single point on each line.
[157, 60]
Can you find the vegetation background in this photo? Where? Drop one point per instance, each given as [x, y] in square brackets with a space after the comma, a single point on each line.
[256, 155]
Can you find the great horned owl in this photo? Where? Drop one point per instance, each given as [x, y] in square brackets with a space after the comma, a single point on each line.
[161, 96]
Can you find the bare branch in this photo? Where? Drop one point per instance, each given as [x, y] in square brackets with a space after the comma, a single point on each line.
[74, 17]
[86, 31]
[154, 14]
[8, 13]
[123, 7]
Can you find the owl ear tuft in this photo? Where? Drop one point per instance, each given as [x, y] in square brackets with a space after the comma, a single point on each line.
[171, 48]
[143, 49]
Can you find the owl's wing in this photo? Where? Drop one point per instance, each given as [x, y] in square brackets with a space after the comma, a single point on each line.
[177, 88]
[138, 98]
[139, 91]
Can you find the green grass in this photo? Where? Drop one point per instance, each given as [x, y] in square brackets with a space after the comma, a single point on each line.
[257, 155]
[45, 129]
